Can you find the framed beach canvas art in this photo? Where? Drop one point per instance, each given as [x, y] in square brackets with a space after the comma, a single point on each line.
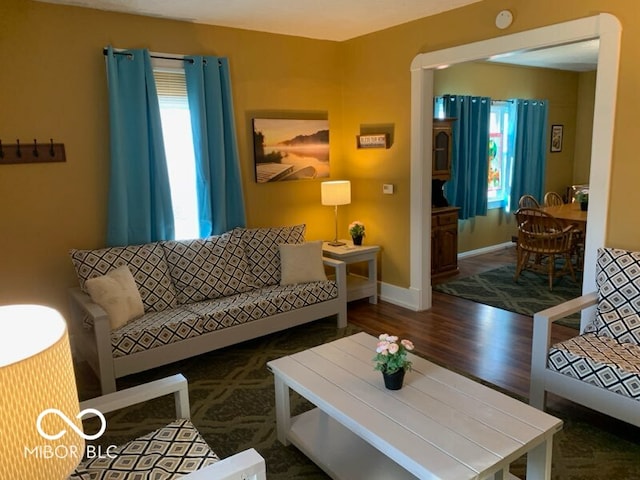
[290, 149]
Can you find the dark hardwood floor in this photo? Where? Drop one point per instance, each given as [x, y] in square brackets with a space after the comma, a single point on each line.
[486, 342]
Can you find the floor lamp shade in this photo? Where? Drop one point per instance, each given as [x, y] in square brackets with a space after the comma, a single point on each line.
[36, 374]
[335, 193]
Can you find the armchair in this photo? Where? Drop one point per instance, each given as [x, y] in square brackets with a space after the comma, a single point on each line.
[174, 451]
[600, 367]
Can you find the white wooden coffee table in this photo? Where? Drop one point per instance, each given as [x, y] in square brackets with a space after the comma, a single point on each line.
[439, 425]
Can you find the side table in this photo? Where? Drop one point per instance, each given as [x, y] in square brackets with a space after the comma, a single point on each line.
[358, 286]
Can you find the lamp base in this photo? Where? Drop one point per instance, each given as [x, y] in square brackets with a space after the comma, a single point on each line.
[336, 243]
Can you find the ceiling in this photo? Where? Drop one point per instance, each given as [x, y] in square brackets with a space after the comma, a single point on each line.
[577, 57]
[320, 19]
[336, 20]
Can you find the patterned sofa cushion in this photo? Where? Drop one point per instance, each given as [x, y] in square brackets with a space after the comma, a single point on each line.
[147, 264]
[155, 329]
[600, 361]
[618, 281]
[262, 302]
[208, 268]
[192, 320]
[169, 452]
[262, 248]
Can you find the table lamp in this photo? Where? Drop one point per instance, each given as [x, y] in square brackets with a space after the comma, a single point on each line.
[36, 375]
[337, 192]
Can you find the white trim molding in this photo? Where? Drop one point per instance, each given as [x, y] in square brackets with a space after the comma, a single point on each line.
[607, 28]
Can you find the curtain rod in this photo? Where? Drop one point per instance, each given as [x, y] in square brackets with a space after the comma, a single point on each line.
[152, 55]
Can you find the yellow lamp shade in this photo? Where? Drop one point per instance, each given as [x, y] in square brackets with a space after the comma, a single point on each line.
[337, 192]
[36, 377]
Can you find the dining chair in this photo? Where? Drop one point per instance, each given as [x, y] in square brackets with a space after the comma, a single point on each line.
[528, 201]
[552, 198]
[541, 240]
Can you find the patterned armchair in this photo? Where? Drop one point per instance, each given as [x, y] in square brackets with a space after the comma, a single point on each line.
[174, 451]
[600, 368]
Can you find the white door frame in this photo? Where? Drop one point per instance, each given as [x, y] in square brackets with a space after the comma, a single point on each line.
[604, 26]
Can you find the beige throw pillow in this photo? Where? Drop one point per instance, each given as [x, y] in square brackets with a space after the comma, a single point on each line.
[301, 263]
[118, 294]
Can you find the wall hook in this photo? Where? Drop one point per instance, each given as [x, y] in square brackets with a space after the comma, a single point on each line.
[32, 153]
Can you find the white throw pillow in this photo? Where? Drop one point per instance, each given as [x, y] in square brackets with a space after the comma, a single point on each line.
[301, 263]
[118, 294]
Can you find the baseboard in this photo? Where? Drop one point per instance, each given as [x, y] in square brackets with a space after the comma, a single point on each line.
[483, 250]
[409, 298]
[402, 297]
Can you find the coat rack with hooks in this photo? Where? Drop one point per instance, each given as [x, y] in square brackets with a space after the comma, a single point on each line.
[32, 152]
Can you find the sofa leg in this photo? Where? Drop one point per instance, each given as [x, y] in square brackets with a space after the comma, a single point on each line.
[537, 394]
[107, 385]
[342, 317]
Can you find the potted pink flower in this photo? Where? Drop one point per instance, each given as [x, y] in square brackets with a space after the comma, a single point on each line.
[391, 359]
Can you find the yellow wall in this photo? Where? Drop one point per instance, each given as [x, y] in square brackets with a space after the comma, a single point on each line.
[53, 85]
[584, 127]
[377, 67]
[498, 81]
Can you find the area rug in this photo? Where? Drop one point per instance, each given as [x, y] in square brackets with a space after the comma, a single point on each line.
[233, 406]
[530, 294]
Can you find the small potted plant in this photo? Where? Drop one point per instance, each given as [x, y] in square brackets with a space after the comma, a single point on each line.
[582, 197]
[391, 359]
[356, 230]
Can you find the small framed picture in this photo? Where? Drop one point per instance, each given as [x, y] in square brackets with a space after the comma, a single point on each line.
[556, 138]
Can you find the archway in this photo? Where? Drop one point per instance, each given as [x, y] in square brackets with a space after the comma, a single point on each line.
[605, 27]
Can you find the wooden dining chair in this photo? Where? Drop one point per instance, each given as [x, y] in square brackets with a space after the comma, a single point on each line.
[528, 201]
[541, 240]
[552, 198]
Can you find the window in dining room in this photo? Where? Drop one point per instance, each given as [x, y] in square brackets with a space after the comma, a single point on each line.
[500, 154]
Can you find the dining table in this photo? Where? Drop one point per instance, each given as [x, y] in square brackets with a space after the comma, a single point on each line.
[569, 213]
[572, 214]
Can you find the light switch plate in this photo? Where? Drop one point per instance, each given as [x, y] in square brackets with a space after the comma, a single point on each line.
[387, 188]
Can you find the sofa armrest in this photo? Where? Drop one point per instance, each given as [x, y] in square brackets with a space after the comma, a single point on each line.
[246, 465]
[542, 338]
[99, 353]
[175, 384]
[340, 269]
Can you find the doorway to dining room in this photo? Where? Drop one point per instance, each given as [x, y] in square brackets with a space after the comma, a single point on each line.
[604, 27]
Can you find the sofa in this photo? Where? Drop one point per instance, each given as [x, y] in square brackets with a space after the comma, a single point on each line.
[600, 367]
[141, 306]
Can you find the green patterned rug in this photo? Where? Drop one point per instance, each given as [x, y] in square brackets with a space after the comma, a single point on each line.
[232, 405]
[530, 294]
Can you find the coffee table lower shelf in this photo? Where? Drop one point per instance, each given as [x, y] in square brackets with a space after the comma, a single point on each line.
[340, 452]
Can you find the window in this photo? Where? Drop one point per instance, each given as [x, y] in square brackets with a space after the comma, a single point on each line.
[178, 144]
[500, 151]
[500, 155]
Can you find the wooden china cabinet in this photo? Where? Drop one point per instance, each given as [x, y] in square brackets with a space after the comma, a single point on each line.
[444, 218]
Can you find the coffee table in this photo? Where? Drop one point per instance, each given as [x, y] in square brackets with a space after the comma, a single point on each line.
[439, 425]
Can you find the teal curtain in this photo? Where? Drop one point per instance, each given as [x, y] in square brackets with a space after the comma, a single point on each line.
[530, 154]
[219, 182]
[139, 203]
[467, 187]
